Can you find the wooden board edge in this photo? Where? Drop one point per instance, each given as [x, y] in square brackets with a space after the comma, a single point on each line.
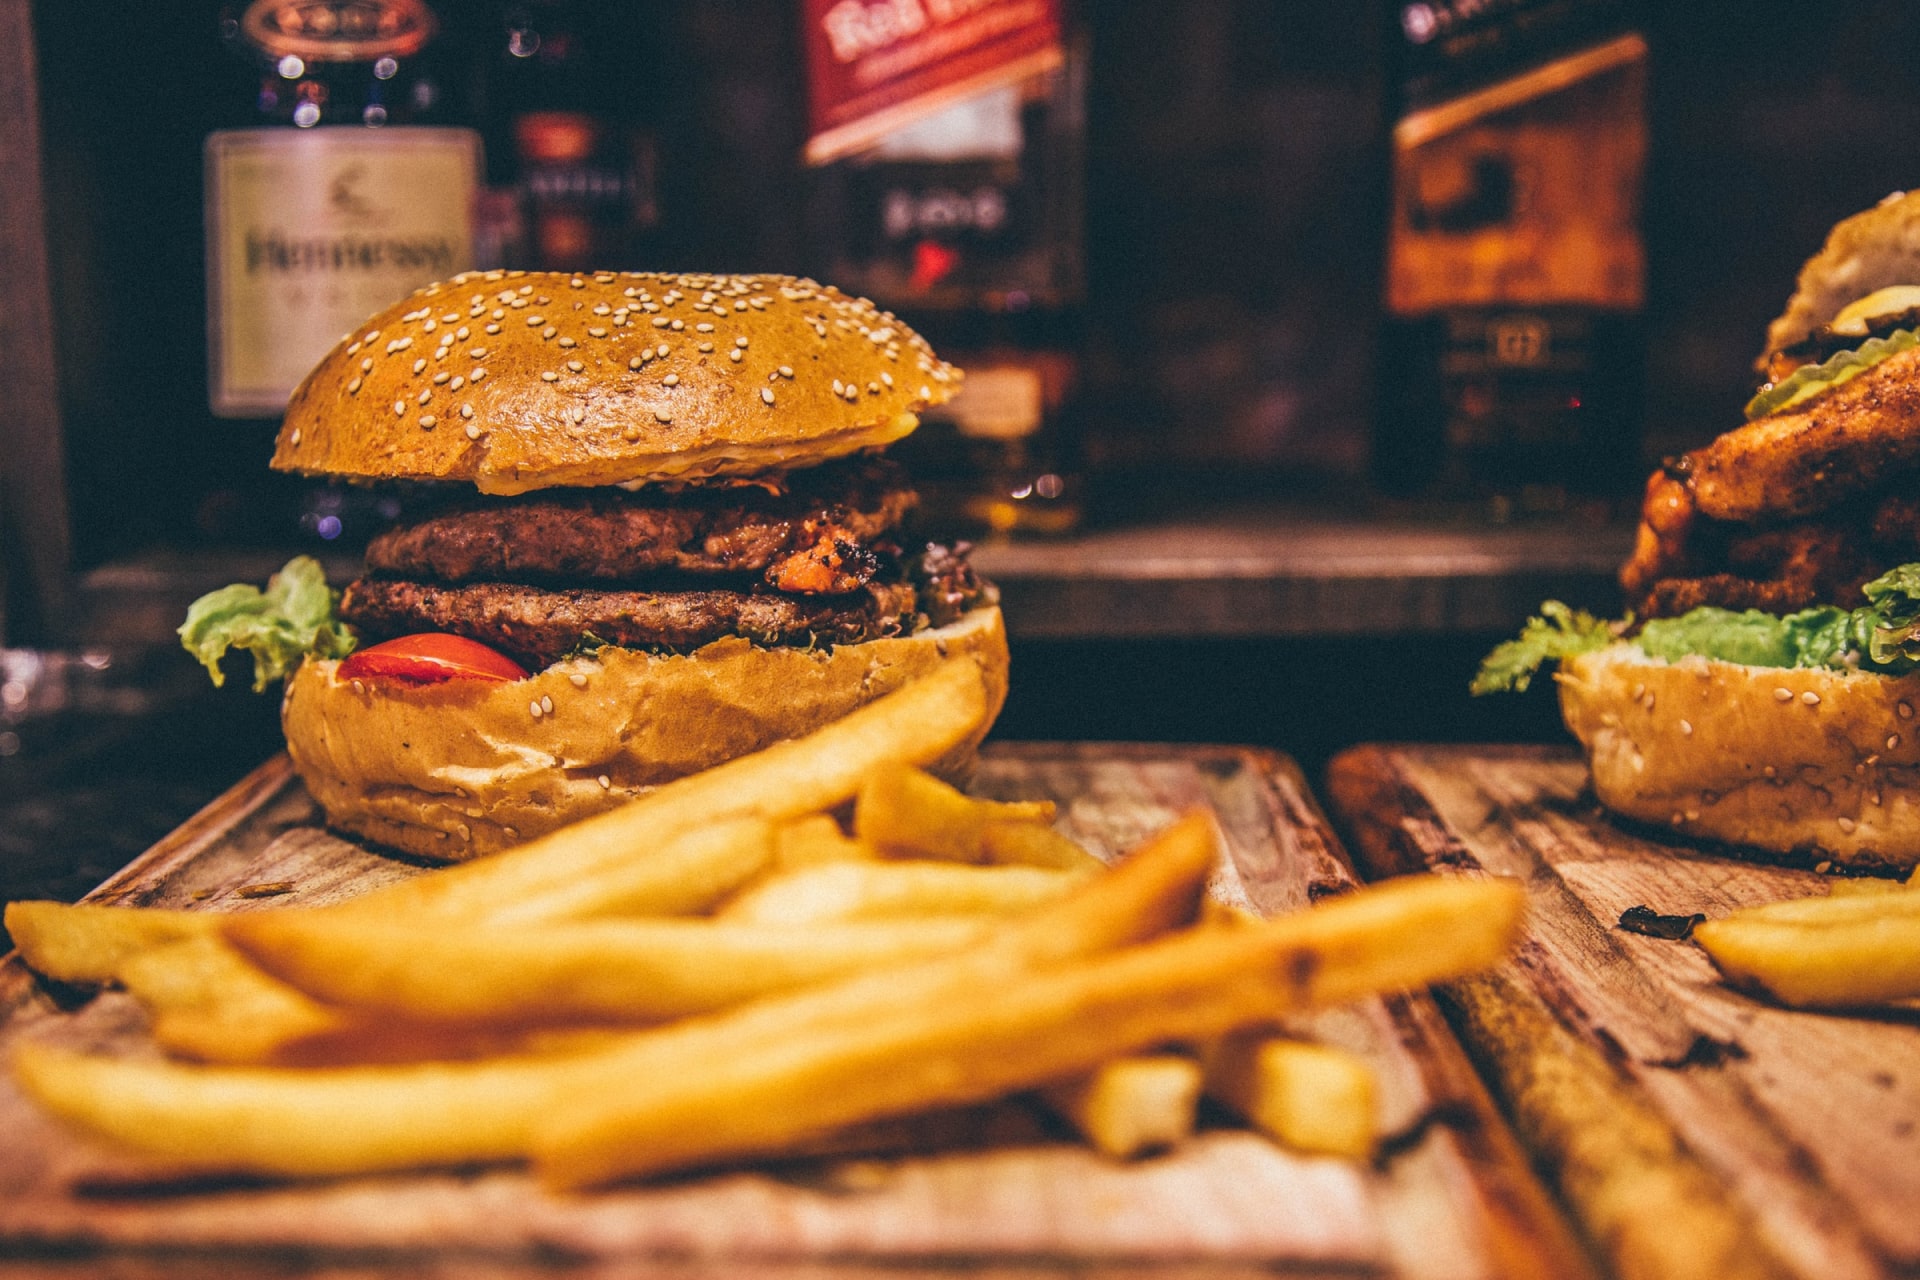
[1527, 1233]
[1644, 1202]
[212, 822]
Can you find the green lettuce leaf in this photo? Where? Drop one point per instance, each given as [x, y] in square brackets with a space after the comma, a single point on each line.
[1559, 632]
[1883, 635]
[292, 618]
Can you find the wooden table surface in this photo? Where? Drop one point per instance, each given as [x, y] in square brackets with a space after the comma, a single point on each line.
[1690, 1129]
[1451, 1197]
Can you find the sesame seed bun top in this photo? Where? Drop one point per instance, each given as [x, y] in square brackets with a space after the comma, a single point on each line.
[528, 380]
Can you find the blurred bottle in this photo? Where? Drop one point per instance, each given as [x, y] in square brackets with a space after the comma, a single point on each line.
[351, 183]
[1512, 348]
[967, 220]
[582, 175]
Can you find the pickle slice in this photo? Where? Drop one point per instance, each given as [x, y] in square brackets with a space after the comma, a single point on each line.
[1810, 380]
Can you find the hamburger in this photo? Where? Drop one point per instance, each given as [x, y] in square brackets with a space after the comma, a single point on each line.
[650, 527]
[1762, 692]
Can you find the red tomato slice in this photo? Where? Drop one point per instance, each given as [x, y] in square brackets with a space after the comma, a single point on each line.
[429, 658]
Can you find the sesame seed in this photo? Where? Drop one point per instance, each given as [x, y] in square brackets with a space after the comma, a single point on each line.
[399, 408]
[736, 355]
[426, 396]
[678, 325]
[886, 378]
[839, 388]
[548, 332]
[575, 365]
[419, 366]
[703, 327]
[662, 350]
[534, 322]
[577, 680]
[399, 344]
[704, 348]
[353, 348]
[295, 437]
[353, 388]
[359, 686]
[1811, 698]
[462, 333]
[372, 334]
[428, 422]
[1847, 825]
[1783, 695]
[476, 375]
[766, 394]
[429, 327]
[1686, 729]
[546, 703]
[786, 371]
[477, 353]
[493, 328]
[661, 322]
[457, 383]
[549, 376]
[466, 411]
[671, 380]
[533, 709]
[926, 393]
[440, 378]
[605, 782]
[1905, 710]
[473, 432]
[596, 332]
[366, 366]
[568, 342]
[577, 283]
[635, 363]
[661, 415]
[1893, 742]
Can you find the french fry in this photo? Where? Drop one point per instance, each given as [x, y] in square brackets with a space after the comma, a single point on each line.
[1054, 1023]
[1835, 959]
[1033, 844]
[920, 723]
[85, 943]
[1132, 1105]
[813, 841]
[1864, 887]
[1311, 1097]
[880, 890]
[285, 1121]
[907, 813]
[636, 971]
[1849, 908]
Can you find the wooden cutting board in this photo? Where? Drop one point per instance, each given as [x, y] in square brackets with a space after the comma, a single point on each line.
[1001, 1190]
[1692, 1130]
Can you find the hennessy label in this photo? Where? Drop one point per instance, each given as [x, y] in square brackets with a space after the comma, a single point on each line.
[309, 232]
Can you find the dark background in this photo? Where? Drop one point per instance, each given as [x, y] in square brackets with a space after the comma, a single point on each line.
[1236, 191]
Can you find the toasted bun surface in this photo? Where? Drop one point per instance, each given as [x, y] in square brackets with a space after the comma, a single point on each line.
[1820, 764]
[528, 380]
[1869, 251]
[461, 769]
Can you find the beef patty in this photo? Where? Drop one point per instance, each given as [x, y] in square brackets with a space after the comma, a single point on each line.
[610, 536]
[537, 626]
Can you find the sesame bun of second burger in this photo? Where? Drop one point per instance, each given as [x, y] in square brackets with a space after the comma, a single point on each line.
[660, 495]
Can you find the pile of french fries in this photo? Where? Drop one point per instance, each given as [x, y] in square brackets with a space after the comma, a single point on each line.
[722, 971]
[1859, 946]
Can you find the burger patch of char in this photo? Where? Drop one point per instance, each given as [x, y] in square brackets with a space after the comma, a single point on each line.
[539, 626]
[813, 534]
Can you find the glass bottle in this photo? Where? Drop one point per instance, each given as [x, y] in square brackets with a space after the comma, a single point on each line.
[1511, 355]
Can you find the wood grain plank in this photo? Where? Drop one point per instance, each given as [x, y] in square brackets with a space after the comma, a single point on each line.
[1455, 1200]
[1693, 1130]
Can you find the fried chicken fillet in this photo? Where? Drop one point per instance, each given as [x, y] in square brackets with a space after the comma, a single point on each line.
[1819, 492]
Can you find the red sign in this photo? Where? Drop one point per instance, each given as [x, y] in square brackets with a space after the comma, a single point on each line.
[877, 65]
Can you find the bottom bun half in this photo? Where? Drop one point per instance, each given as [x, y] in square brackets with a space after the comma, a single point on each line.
[1809, 764]
[465, 768]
